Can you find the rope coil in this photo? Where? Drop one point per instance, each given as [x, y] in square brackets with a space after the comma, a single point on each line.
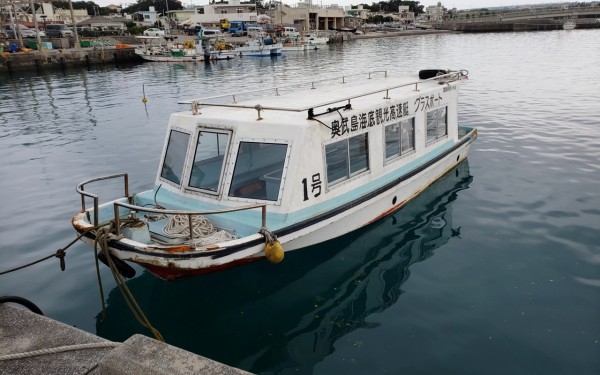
[203, 230]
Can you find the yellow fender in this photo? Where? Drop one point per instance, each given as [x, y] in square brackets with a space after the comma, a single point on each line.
[274, 252]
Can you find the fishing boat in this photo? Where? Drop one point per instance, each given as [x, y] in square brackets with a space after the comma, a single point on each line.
[569, 25]
[252, 175]
[297, 45]
[258, 47]
[152, 49]
[316, 39]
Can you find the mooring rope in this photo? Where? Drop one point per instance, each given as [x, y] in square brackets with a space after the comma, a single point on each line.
[102, 233]
[269, 236]
[102, 240]
[60, 349]
[60, 254]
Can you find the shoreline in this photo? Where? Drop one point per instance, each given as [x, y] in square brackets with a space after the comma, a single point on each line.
[124, 52]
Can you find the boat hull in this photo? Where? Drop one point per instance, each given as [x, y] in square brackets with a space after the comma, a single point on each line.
[185, 59]
[255, 51]
[170, 263]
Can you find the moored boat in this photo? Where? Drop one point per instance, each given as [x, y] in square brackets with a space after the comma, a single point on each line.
[307, 164]
[152, 49]
[258, 47]
[316, 39]
[569, 25]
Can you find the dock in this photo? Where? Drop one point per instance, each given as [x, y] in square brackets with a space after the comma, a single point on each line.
[46, 59]
[34, 344]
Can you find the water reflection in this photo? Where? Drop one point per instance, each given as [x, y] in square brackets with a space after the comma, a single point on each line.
[272, 318]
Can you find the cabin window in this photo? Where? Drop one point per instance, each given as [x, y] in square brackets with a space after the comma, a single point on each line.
[258, 171]
[437, 124]
[399, 138]
[172, 168]
[347, 158]
[207, 169]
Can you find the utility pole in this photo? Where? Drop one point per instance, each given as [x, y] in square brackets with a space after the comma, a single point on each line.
[37, 31]
[168, 28]
[76, 41]
[15, 25]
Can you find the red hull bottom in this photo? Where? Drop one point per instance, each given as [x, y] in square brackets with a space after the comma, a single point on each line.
[170, 274]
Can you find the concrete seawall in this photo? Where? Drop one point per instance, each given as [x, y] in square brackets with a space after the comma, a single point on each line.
[34, 344]
[65, 58]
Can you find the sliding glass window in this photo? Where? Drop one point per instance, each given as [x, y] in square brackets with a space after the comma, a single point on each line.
[437, 124]
[399, 138]
[347, 158]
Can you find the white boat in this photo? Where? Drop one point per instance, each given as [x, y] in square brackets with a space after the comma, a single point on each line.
[316, 39]
[249, 175]
[259, 47]
[152, 49]
[294, 45]
[569, 25]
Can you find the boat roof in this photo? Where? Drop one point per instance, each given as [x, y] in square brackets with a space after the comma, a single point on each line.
[315, 94]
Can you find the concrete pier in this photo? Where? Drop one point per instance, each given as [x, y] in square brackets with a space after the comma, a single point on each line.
[65, 58]
[49, 347]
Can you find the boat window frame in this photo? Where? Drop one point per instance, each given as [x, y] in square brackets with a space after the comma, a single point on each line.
[349, 174]
[185, 160]
[226, 158]
[438, 137]
[235, 148]
[401, 153]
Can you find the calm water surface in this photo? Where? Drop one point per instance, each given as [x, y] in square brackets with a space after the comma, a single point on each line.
[495, 269]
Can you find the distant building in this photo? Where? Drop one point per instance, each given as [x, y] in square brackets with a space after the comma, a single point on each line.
[434, 13]
[104, 23]
[114, 8]
[307, 16]
[50, 14]
[359, 12]
[211, 15]
[405, 15]
[147, 17]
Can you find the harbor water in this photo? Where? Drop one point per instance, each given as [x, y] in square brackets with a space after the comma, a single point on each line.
[495, 269]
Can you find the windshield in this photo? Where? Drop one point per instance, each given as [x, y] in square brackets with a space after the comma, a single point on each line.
[258, 171]
[174, 161]
[207, 169]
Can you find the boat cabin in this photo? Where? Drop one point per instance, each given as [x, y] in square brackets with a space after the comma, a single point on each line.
[302, 152]
[246, 175]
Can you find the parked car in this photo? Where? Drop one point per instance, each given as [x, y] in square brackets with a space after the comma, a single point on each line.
[26, 32]
[154, 32]
[58, 30]
[212, 33]
[192, 29]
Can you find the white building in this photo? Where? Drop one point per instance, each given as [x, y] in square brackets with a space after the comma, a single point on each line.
[307, 16]
[211, 15]
[405, 15]
[434, 13]
[148, 17]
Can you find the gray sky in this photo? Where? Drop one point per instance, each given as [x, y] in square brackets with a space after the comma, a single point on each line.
[459, 4]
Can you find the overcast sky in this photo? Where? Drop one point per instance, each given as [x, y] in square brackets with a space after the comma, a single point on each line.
[459, 4]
